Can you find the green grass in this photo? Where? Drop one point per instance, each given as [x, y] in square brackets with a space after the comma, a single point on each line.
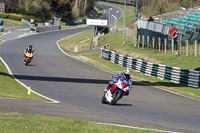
[11, 89]
[149, 54]
[20, 123]
[77, 44]
[10, 22]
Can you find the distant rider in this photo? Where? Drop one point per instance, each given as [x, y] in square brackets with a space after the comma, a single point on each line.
[30, 49]
[123, 75]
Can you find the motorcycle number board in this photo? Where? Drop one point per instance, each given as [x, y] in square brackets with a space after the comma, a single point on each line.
[96, 22]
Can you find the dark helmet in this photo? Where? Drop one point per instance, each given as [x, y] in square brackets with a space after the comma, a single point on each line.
[127, 73]
[30, 48]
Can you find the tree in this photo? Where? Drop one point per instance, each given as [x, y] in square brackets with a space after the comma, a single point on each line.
[11, 6]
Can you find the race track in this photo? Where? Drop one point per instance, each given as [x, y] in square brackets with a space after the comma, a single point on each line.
[79, 88]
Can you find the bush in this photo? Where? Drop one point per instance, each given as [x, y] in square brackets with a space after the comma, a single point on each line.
[11, 16]
[28, 18]
[3, 15]
[18, 17]
[15, 17]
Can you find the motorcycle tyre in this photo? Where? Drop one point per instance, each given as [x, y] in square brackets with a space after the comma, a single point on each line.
[103, 99]
[117, 97]
[26, 62]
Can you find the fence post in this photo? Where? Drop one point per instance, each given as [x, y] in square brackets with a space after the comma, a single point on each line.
[139, 41]
[133, 38]
[143, 41]
[195, 53]
[153, 40]
[180, 46]
[165, 45]
[159, 44]
[147, 41]
[186, 47]
[172, 46]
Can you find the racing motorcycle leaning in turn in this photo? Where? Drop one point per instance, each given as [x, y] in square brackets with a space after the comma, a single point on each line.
[117, 88]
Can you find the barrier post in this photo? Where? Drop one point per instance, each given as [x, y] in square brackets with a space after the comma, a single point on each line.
[153, 40]
[159, 44]
[172, 46]
[165, 45]
[147, 41]
[195, 49]
[139, 41]
[143, 41]
[186, 47]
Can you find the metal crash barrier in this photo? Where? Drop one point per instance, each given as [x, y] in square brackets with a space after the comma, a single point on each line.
[177, 75]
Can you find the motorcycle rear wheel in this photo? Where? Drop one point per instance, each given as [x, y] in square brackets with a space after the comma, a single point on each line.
[117, 97]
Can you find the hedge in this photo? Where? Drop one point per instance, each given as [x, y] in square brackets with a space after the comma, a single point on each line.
[11, 16]
[18, 17]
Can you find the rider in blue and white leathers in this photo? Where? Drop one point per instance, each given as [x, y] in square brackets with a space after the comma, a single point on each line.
[124, 75]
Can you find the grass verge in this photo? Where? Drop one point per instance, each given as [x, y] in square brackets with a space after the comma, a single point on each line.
[77, 43]
[1, 33]
[12, 89]
[12, 122]
[149, 54]
[10, 22]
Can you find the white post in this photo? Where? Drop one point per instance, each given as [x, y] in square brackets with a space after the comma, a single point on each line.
[109, 17]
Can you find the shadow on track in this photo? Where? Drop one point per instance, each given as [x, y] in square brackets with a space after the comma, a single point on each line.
[62, 79]
[122, 104]
[81, 80]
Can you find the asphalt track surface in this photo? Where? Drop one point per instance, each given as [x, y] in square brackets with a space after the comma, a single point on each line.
[79, 88]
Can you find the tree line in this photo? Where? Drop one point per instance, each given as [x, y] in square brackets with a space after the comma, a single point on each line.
[156, 7]
[46, 9]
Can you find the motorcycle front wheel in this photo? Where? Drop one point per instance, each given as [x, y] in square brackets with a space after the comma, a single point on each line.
[26, 62]
[117, 97]
[103, 99]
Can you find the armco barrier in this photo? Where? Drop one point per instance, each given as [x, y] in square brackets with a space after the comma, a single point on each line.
[47, 28]
[177, 75]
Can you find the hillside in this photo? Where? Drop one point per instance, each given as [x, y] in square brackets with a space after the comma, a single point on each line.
[156, 7]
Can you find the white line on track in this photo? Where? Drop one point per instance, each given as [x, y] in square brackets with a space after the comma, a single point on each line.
[136, 127]
[10, 72]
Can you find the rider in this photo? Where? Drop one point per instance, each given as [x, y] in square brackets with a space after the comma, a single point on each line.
[125, 75]
[30, 49]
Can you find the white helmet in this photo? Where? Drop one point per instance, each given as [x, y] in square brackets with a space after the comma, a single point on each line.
[127, 73]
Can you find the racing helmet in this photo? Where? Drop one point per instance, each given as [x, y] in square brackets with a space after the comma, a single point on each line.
[30, 48]
[127, 73]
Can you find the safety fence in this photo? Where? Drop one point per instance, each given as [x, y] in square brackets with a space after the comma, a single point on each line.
[47, 28]
[177, 75]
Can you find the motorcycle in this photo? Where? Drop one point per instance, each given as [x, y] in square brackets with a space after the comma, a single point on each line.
[119, 88]
[28, 57]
